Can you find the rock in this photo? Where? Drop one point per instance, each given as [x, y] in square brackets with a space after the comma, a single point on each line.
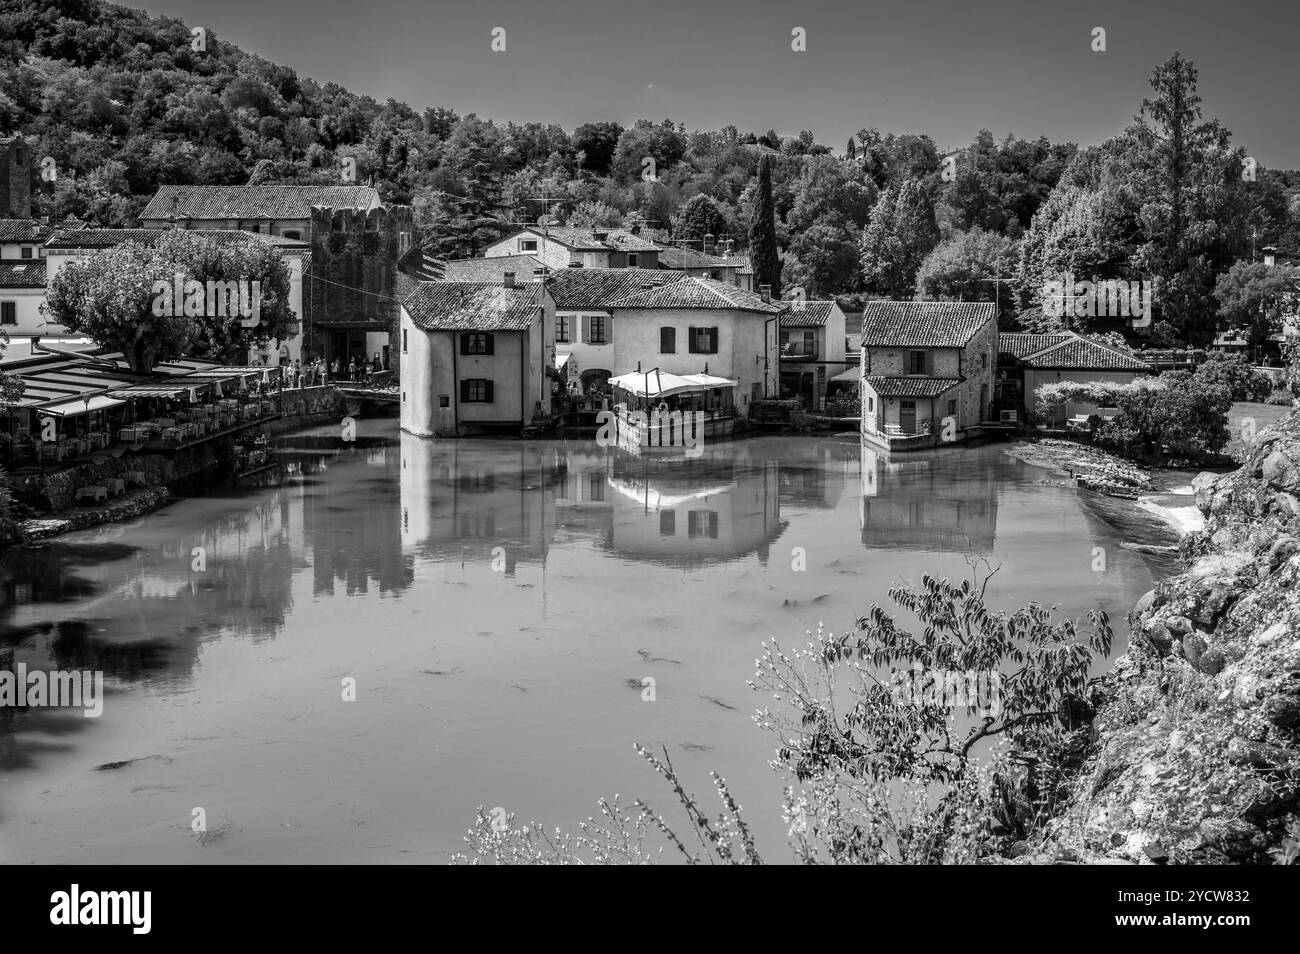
[1283, 709]
[1193, 646]
[1179, 625]
[1156, 852]
[1281, 469]
[1161, 639]
[1212, 662]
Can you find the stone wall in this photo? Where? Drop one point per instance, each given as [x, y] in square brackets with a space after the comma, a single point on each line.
[303, 407]
[1196, 746]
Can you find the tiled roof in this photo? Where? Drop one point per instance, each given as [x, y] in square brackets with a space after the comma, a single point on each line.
[24, 230]
[108, 238]
[689, 258]
[741, 263]
[1083, 354]
[1023, 344]
[577, 288]
[491, 269]
[910, 387]
[472, 306]
[924, 324]
[255, 202]
[584, 239]
[22, 273]
[807, 314]
[692, 292]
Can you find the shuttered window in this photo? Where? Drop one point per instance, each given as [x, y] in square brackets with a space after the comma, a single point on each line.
[703, 341]
[667, 340]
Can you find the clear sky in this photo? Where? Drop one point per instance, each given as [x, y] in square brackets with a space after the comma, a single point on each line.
[943, 67]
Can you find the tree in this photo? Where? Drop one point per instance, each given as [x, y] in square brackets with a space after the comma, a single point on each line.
[1253, 296]
[110, 296]
[597, 142]
[902, 232]
[1243, 382]
[763, 255]
[699, 216]
[964, 267]
[114, 298]
[1195, 204]
[594, 214]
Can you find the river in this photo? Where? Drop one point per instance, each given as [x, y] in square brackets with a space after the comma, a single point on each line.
[496, 606]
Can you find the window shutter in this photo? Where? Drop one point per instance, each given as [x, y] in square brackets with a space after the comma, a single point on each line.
[487, 391]
[464, 392]
[609, 331]
[690, 340]
[489, 342]
[464, 347]
[585, 325]
[929, 363]
[713, 341]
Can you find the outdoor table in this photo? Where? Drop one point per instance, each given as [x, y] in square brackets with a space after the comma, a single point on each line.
[94, 493]
[115, 485]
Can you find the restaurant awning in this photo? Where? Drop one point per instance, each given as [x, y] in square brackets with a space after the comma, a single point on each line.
[852, 374]
[656, 384]
[96, 402]
[150, 391]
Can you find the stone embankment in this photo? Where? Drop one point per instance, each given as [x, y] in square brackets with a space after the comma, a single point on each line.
[1195, 752]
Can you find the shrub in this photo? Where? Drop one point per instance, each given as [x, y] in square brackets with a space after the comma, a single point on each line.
[1242, 381]
[1281, 397]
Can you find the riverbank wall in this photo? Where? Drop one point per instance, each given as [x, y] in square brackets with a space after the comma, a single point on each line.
[1195, 751]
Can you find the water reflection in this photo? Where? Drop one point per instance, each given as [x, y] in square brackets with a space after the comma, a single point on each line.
[936, 501]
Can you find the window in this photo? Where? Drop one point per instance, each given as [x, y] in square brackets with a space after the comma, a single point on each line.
[528, 245]
[476, 342]
[916, 362]
[575, 263]
[27, 252]
[984, 359]
[703, 341]
[596, 487]
[667, 523]
[633, 259]
[404, 341]
[295, 234]
[810, 343]
[667, 340]
[952, 408]
[702, 523]
[871, 404]
[8, 313]
[562, 328]
[444, 400]
[476, 391]
[596, 329]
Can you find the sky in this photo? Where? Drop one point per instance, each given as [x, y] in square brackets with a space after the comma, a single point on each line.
[943, 67]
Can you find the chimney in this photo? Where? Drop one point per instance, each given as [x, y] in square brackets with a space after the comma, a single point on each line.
[708, 243]
[509, 279]
[765, 291]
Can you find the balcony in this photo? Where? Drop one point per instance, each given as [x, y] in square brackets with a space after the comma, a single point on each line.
[800, 351]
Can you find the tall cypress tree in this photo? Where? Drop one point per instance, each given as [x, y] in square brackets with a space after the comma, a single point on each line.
[763, 255]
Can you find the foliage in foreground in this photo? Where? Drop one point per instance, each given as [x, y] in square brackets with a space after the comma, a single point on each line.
[885, 764]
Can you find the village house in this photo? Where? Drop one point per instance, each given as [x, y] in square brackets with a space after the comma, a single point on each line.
[526, 268]
[22, 292]
[924, 363]
[283, 210]
[699, 326]
[812, 350]
[23, 238]
[562, 246]
[584, 324]
[698, 264]
[476, 357]
[1028, 361]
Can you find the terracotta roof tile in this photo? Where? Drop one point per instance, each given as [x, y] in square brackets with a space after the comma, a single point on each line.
[924, 324]
[472, 306]
[910, 387]
[807, 314]
[255, 202]
[22, 273]
[578, 288]
[692, 292]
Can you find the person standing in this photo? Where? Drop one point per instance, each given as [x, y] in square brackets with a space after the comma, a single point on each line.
[352, 369]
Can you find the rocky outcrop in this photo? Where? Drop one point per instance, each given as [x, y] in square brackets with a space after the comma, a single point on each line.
[1195, 754]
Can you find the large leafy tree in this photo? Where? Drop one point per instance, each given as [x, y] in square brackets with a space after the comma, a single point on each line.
[971, 266]
[763, 255]
[111, 297]
[902, 232]
[1253, 296]
[699, 216]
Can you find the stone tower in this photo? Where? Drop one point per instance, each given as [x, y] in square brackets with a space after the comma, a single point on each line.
[15, 179]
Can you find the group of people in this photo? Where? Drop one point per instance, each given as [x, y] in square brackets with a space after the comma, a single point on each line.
[316, 372]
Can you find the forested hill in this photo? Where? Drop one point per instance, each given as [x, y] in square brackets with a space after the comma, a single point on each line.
[123, 101]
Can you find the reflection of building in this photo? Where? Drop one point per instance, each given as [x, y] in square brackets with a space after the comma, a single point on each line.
[941, 500]
[468, 499]
[673, 511]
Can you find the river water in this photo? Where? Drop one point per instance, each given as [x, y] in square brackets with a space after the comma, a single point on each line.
[497, 606]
